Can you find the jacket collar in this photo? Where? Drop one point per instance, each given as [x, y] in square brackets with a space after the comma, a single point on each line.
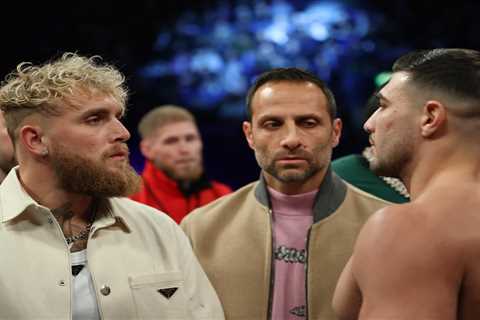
[331, 194]
[15, 201]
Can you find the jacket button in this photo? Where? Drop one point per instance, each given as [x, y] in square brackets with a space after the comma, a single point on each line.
[105, 290]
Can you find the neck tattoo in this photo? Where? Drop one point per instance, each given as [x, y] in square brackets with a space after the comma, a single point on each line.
[64, 217]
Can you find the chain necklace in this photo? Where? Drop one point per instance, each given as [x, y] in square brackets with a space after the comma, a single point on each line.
[83, 235]
[394, 183]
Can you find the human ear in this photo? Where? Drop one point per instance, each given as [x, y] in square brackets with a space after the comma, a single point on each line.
[336, 132]
[434, 116]
[33, 139]
[146, 148]
[247, 130]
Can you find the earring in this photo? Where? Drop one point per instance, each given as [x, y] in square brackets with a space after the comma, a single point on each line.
[44, 152]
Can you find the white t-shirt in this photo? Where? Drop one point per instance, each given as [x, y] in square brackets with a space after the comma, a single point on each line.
[84, 299]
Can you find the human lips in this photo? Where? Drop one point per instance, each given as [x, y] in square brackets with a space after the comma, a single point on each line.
[119, 153]
[185, 161]
[291, 159]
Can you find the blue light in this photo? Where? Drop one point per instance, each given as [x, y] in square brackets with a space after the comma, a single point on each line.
[212, 57]
[318, 31]
[277, 33]
[162, 40]
[206, 60]
[155, 69]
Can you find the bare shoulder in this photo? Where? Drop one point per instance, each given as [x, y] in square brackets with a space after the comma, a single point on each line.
[390, 223]
[411, 242]
[404, 268]
[412, 227]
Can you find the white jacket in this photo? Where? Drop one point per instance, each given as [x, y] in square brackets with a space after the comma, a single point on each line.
[133, 252]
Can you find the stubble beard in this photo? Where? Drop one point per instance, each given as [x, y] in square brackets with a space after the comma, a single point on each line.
[191, 173]
[78, 174]
[392, 163]
[291, 173]
[287, 175]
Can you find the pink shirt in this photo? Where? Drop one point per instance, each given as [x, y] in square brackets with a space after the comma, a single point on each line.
[292, 217]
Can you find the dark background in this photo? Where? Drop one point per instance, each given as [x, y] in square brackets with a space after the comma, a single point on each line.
[125, 34]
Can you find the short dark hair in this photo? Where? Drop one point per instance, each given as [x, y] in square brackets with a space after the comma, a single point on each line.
[292, 75]
[453, 71]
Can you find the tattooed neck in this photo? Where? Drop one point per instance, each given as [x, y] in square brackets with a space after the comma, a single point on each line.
[64, 212]
[75, 229]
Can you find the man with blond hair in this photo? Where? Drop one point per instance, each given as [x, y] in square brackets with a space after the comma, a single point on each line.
[64, 118]
[174, 180]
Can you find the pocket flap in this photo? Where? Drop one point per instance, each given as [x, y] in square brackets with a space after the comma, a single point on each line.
[160, 280]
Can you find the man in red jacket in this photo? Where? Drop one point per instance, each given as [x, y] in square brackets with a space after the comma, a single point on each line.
[173, 178]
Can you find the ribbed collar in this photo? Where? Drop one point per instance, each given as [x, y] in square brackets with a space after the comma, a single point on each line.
[330, 195]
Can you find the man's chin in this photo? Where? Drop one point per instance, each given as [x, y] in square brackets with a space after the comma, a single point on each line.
[292, 175]
[381, 170]
[187, 176]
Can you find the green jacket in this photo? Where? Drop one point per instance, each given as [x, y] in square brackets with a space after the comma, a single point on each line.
[355, 170]
[232, 237]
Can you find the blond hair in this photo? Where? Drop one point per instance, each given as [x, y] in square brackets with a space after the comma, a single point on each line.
[161, 116]
[47, 88]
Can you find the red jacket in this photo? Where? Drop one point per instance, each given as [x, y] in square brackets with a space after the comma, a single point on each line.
[163, 193]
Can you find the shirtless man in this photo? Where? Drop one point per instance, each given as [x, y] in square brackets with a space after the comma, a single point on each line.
[420, 260]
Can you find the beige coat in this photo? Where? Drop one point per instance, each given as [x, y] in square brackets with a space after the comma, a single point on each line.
[134, 251]
[232, 238]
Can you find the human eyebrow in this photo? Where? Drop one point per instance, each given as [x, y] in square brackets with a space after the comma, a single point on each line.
[171, 139]
[381, 98]
[103, 111]
[96, 111]
[311, 116]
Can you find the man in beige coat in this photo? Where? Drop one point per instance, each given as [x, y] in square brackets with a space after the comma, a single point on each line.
[275, 248]
[70, 245]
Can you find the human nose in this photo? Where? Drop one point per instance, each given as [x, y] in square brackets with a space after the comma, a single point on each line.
[121, 133]
[291, 140]
[368, 126]
[184, 146]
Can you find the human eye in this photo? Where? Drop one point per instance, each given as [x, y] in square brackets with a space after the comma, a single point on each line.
[271, 124]
[381, 105]
[94, 120]
[96, 117]
[309, 123]
[170, 140]
[190, 138]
